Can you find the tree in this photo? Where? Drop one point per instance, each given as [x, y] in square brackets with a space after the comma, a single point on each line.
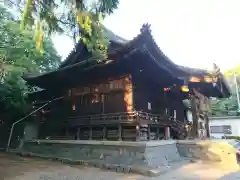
[18, 55]
[231, 72]
[78, 16]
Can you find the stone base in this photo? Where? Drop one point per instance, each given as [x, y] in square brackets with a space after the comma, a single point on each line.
[141, 157]
[148, 158]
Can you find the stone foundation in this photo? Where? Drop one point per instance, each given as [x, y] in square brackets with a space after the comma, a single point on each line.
[148, 154]
[137, 157]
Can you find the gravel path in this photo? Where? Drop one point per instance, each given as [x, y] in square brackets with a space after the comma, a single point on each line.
[14, 167]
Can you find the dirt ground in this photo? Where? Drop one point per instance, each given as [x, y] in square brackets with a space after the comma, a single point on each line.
[13, 167]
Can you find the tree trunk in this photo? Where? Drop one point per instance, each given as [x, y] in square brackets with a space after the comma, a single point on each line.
[207, 126]
[194, 117]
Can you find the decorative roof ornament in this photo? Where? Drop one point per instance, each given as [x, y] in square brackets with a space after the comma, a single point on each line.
[145, 27]
[216, 74]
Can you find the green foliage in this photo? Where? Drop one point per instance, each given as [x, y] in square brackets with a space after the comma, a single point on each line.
[18, 49]
[231, 137]
[13, 93]
[18, 55]
[229, 106]
[225, 107]
[83, 17]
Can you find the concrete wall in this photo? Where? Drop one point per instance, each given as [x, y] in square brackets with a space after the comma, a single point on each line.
[233, 121]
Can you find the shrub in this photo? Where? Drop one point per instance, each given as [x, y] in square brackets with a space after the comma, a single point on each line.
[231, 137]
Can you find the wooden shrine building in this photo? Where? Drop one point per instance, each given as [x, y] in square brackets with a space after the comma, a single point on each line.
[135, 94]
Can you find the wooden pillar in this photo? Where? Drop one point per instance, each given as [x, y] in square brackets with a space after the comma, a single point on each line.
[104, 132]
[137, 132]
[149, 132]
[67, 132]
[103, 103]
[194, 117]
[90, 133]
[128, 93]
[167, 132]
[120, 132]
[78, 133]
[158, 133]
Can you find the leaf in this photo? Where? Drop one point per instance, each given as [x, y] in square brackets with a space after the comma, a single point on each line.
[64, 16]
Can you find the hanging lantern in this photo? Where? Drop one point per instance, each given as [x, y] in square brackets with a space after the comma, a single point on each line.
[208, 79]
[194, 79]
[73, 107]
[166, 89]
[137, 127]
[184, 88]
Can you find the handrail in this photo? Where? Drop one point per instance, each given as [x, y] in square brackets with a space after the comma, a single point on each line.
[128, 114]
[156, 118]
[97, 115]
[132, 116]
[23, 118]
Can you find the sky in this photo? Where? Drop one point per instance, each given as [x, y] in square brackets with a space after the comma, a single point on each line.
[194, 33]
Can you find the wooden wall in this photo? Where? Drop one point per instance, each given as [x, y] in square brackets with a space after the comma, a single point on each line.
[109, 96]
[148, 98]
[161, 103]
[176, 103]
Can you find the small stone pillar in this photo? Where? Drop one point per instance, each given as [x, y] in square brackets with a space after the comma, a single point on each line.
[167, 132]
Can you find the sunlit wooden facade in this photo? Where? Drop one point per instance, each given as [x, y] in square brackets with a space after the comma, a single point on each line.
[136, 94]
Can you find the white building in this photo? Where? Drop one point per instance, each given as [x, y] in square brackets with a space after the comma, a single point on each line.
[224, 126]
